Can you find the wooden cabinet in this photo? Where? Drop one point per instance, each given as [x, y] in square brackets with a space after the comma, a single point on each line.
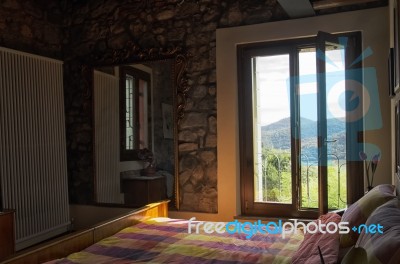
[7, 240]
[141, 190]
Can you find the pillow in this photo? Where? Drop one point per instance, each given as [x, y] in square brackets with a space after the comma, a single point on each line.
[358, 212]
[328, 243]
[343, 252]
[383, 248]
[355, 255]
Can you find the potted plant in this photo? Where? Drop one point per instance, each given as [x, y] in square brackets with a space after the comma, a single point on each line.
[147, 157]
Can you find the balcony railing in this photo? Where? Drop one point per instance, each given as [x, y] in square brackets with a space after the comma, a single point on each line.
[279, 165]
[308, 175]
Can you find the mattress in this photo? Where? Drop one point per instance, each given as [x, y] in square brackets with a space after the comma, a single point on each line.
[165, 240]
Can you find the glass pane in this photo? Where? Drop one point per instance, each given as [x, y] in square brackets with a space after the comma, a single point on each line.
[307, 90]
[336, 126]
[272, 140]
[130, 112]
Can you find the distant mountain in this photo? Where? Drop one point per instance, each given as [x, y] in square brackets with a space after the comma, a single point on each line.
[277, 136]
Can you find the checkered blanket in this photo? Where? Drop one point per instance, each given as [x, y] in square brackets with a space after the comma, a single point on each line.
[165, 240]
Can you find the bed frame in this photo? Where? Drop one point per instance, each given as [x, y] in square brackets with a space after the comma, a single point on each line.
[80, 240]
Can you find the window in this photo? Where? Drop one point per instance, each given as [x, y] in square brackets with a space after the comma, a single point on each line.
[297, 131]
[134, 96]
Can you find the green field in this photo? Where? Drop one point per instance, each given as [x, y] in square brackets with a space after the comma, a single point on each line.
[276, 182]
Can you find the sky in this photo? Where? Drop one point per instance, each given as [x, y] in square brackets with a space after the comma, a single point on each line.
[272, 74]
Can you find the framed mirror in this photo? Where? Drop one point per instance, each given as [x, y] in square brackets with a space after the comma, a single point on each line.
[139, 97]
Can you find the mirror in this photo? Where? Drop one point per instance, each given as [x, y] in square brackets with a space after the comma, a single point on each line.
[134, 116]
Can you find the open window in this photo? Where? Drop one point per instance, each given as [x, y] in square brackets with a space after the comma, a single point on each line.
[297, 135]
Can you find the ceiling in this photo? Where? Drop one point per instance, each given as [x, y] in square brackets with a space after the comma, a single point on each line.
[282, 9]
[305, 8]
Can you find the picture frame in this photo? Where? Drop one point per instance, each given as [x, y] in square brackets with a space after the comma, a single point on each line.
[391, 72]
[167, 121]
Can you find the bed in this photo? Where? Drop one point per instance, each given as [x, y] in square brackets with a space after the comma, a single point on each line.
[80, 240]
[165, 240]
[147, 235]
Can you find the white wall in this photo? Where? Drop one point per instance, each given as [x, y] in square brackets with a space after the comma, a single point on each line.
[107, 141]
[374, 26]
[394, 100]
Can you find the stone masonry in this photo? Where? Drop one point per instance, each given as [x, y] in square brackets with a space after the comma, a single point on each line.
[96, 26]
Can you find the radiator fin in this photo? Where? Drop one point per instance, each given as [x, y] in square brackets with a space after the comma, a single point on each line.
[33, 168]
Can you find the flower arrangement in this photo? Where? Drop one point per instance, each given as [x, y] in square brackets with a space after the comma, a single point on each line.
[146, 155]
[370, 167]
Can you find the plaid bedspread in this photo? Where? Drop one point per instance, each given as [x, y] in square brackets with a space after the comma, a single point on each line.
[164, 240]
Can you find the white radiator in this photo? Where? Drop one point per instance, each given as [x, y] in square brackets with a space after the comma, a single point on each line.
[106, 120]
[33, 164]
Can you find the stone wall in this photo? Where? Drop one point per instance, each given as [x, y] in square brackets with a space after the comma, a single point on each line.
[97, 26]
[31, 27]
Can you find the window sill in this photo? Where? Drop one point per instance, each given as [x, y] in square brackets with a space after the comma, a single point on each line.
[243, 218]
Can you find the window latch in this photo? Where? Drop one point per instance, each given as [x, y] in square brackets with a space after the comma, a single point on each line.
[330, 140]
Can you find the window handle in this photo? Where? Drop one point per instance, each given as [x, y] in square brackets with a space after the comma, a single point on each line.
[330, 140]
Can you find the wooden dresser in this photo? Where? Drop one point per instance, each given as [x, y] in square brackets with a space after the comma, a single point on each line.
[142, 190]
[7, 239]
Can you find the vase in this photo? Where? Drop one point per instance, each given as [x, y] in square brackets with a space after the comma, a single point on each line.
[148, 171]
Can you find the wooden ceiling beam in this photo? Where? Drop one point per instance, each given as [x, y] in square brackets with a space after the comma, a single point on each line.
[325, 4]
[297, 8]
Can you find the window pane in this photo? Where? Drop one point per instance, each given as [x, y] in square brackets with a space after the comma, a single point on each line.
[307, 90]
[130, 111]
[336, 126]
[271, 128]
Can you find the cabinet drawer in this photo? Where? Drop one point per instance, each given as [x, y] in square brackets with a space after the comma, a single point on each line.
[7, 240]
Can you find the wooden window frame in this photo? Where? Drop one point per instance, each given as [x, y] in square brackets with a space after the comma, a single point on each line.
[248, 206]
[130, 154]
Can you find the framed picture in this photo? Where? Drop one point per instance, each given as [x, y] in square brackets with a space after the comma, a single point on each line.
[396, 46]
[167, 120]
[391, 73]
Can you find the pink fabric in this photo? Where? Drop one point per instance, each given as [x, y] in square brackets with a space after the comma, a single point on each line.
[328, 243]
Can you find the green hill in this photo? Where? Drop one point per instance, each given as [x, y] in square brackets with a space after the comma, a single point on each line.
[277, 136]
